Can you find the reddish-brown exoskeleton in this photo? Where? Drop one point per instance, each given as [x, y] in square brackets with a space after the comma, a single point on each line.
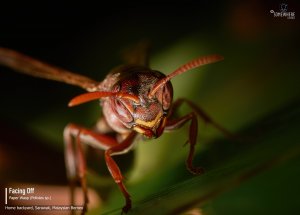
[135, 100]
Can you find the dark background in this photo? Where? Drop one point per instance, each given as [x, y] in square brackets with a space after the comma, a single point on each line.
[260, 73]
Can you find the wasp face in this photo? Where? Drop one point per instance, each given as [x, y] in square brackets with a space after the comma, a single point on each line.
[148, 115]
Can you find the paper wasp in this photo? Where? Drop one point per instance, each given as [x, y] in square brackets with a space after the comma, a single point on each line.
[135, 100]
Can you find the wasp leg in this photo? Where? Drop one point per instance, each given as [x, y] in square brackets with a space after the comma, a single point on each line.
[81, 165]
[137, 54]
[204, 116]
[74, 155]
[115, 172]
[173, 124]
[75, 162]
[70, 162]
[193, 131]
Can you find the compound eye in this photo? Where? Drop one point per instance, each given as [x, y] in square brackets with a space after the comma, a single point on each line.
[164, 96]
[122, 111]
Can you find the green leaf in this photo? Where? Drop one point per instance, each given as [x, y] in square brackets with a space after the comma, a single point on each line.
[274, 144]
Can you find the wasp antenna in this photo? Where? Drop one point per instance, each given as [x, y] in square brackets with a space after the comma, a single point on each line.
[86, 97]
[184, 68]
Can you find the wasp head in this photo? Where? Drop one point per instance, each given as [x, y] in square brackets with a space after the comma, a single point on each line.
[142, 113]
[139, 98]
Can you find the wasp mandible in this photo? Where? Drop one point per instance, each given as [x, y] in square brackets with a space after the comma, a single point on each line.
[135, 100]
